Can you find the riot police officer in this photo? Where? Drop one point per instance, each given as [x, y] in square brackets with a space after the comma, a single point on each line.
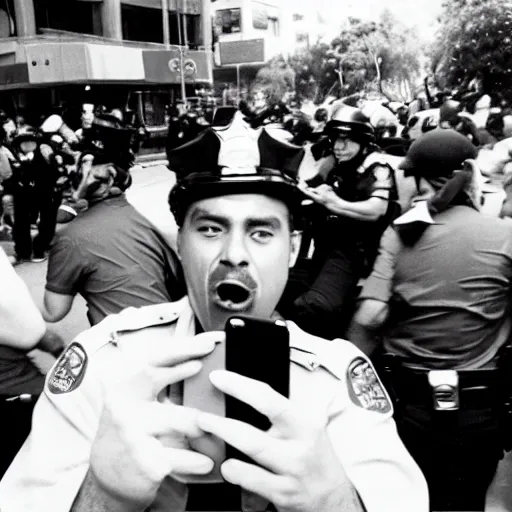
[353, 205]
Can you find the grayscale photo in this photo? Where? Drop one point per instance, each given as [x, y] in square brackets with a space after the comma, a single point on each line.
[256, 255]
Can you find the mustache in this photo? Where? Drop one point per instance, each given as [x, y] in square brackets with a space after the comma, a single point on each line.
[241, 275]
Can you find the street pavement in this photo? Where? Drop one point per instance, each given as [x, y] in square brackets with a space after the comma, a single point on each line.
[151, 186]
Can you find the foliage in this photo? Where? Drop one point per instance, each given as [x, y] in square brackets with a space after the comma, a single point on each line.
[474, 42]
[275, 79]
[367, 55]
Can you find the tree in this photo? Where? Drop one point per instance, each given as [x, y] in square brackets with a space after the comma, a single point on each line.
[275, 78]
[367, 55]
[474, 42]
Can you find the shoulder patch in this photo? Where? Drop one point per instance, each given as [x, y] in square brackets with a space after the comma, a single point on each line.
[69, 370]
[365, 388]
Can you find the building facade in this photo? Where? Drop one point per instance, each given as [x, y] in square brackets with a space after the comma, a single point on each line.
[248, 33]
[119, 53]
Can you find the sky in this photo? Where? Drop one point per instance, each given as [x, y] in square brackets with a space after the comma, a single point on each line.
[419, 13]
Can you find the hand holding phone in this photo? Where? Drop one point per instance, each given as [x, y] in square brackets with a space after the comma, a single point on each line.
[255, 348]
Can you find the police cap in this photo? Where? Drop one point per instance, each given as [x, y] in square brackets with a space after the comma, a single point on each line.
[110, 140]
[234, 160]
[437, 154]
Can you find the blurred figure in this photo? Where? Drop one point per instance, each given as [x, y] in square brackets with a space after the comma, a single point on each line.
[110, 254]
[87, 119]
[21, 329]
[24, 148]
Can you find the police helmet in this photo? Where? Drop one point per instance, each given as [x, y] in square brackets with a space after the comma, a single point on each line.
[350, 122]
[449, 112]
[437, 154]
[26, 140]
[234, 160]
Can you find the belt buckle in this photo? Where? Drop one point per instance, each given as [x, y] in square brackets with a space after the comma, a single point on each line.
[445, 389]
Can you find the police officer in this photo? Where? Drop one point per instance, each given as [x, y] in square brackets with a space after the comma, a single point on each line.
[114, 398]
[353, 205]
[448, 288]
[25, 149]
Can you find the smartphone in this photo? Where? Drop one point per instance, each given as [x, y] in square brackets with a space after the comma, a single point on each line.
[255, 348]
[258, 349]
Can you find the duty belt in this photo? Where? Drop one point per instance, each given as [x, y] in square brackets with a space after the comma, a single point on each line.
[445, 389]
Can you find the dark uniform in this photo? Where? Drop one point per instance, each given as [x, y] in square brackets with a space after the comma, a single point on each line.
[449, 321]
[345, 247]
[24, 193]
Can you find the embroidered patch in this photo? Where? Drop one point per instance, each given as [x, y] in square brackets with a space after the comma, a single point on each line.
[365, 388]
[69, 371]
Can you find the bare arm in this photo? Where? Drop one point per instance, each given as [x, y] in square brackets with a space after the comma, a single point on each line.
[56, 306]
[92, 498]
[21, 325]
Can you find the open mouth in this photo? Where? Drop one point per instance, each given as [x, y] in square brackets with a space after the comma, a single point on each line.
[233, 296]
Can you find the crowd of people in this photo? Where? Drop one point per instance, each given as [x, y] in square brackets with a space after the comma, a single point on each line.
[369, 241]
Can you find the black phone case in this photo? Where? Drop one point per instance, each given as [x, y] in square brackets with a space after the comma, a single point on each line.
[258, 349]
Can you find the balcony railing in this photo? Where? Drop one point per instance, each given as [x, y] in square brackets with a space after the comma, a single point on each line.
[64, 36]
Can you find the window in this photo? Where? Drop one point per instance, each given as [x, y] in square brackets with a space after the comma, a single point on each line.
[144, 24]
[228, 21]
[301, 37]
[7, 27]
[70, 15]
[259, 16]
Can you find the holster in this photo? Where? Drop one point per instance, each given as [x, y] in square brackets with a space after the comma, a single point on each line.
[447, 396]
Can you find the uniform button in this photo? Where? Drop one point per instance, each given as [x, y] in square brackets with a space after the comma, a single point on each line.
[313, 364]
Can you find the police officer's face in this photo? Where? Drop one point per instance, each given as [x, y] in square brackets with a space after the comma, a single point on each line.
[236, 251]
[345, 149]
[95, 180]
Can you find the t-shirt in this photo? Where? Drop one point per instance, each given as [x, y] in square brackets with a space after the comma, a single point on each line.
[115, 258]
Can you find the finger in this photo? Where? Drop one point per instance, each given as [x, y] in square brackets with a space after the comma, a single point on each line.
[260, 446]
[189, 462]
[152, 459]
[275, 488]
[145, 384]
[180, 350]
[277, 408]
[167, 460]
[167, 419]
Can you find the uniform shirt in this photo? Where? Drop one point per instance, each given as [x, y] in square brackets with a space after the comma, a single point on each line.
[450, 292]
[113, 257]
[51, 466]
